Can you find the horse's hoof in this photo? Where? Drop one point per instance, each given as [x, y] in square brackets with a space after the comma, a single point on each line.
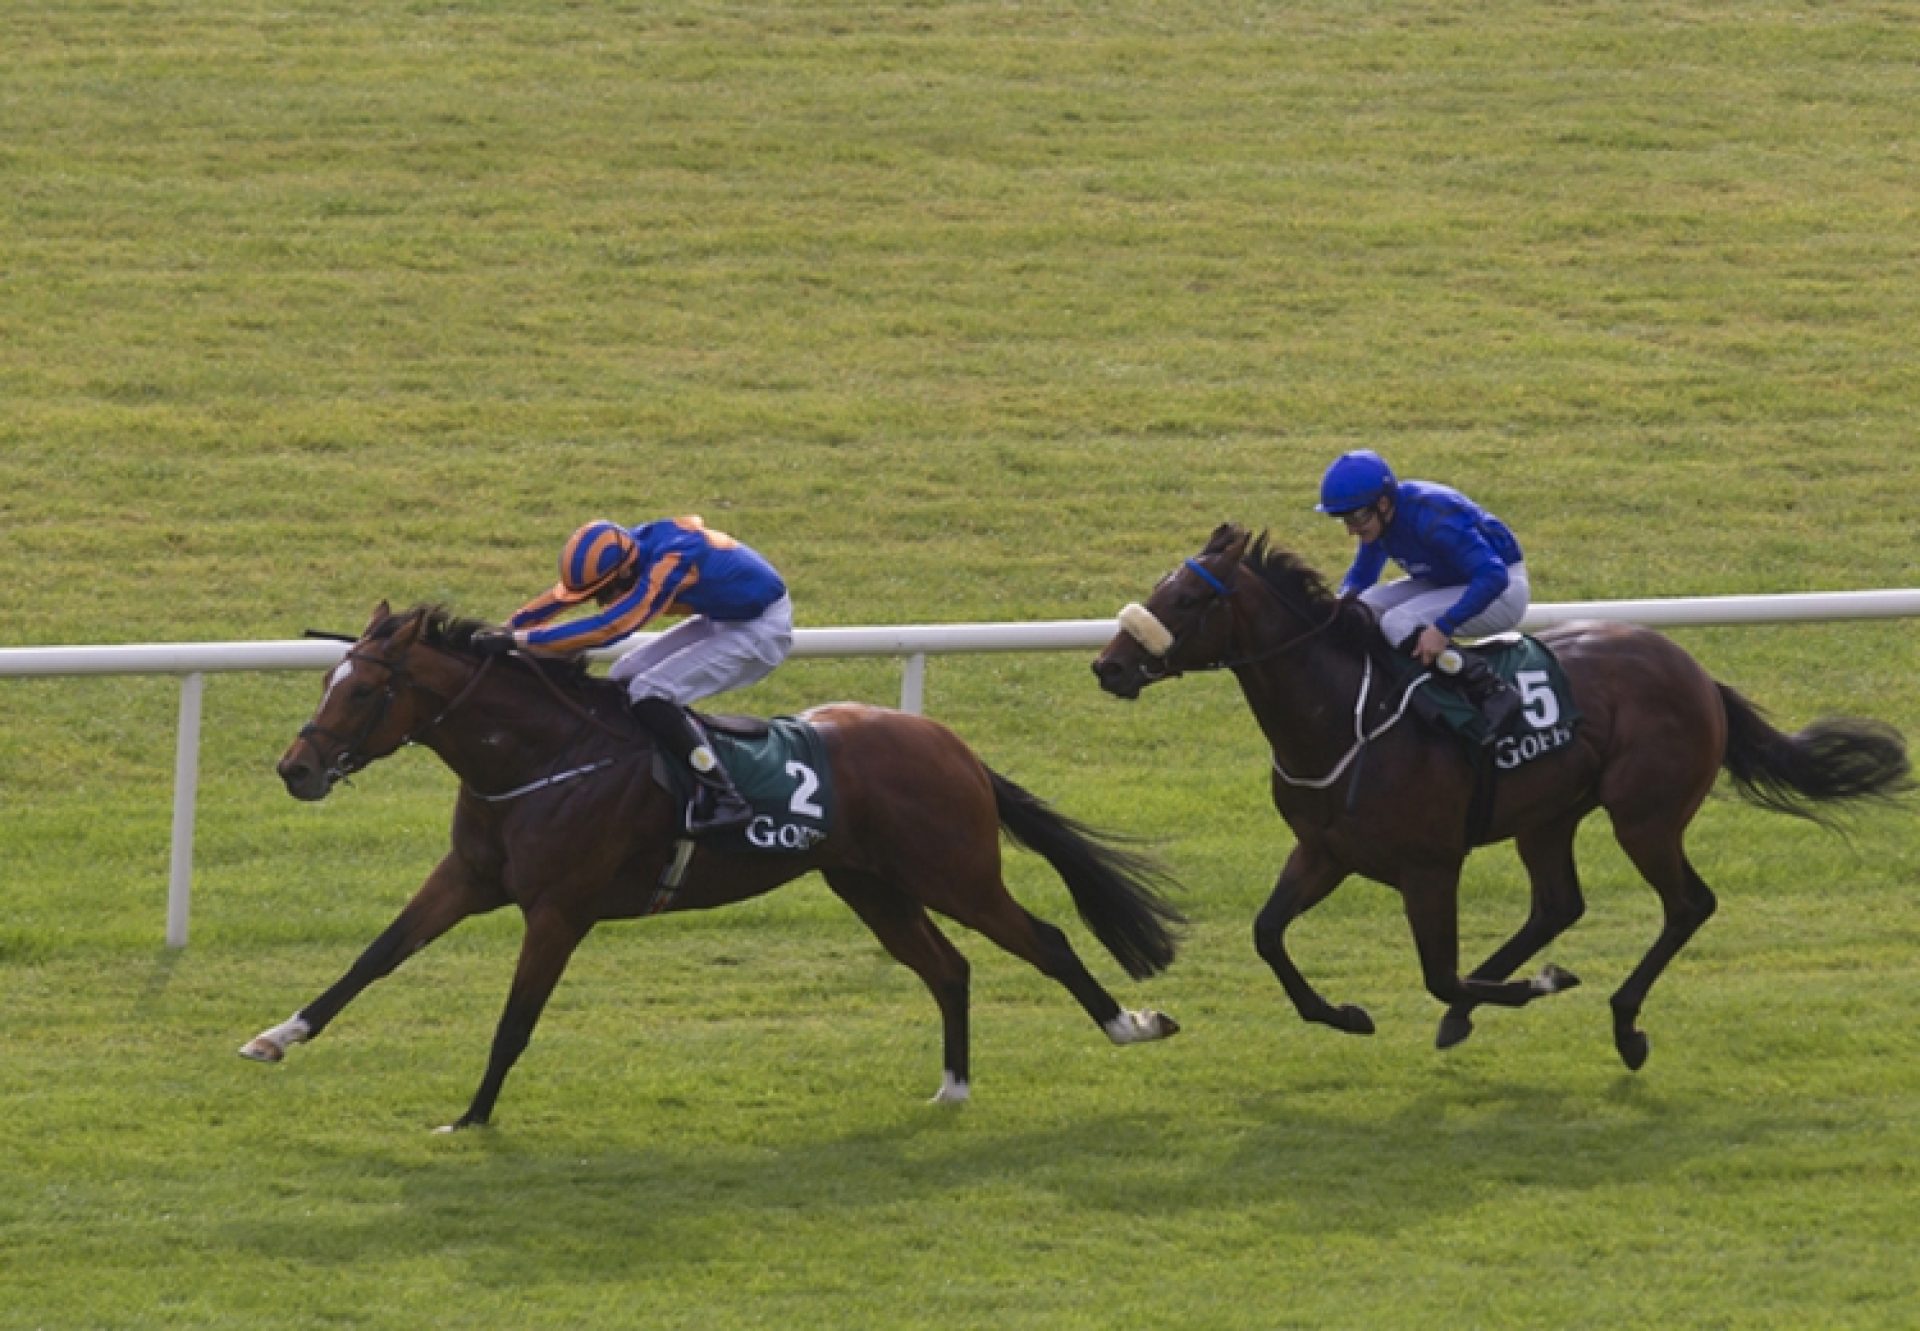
[1139, 1027]
[271, 1045]
[1633, 1050]
[1554, 979]
[952, 1091]
[1353, 1020]
[262, 1050]
[1453, 1029]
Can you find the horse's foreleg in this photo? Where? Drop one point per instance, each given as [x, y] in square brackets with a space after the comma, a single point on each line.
[1307, 879]
[448, 896]
[1556, 906]
[544, 952]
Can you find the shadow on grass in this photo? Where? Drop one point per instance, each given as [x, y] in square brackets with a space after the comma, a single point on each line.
[515, 1209]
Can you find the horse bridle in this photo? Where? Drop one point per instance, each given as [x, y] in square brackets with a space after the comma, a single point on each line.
[347, 759]
[1222, 590]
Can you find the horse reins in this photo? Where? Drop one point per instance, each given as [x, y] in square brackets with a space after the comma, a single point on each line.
[346, 759]
[555, 778]
[1222, 590]
[1362, 736]
[586, 717]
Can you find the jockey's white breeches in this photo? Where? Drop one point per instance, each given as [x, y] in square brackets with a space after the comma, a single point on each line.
[1407, 606]
[701, 657]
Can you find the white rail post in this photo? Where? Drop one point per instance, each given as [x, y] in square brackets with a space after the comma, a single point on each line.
[186, 786]
[913, 683]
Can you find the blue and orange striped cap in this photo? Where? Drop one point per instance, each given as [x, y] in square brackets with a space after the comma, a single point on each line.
[593, 557]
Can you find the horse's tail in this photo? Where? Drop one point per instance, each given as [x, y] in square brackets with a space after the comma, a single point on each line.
[1832, 761]
[1116, 891]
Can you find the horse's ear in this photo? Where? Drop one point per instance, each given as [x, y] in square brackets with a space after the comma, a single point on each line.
[409, 629]
[380, 613]
[1229, 539]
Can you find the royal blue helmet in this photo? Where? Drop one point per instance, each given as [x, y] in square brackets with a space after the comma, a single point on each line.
[594, 556]
[1354, 481]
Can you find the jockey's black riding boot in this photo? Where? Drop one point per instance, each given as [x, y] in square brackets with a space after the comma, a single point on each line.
[1499, 702]
[717, 805]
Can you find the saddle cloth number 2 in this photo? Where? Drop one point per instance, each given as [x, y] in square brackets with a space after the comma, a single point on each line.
[806, 782]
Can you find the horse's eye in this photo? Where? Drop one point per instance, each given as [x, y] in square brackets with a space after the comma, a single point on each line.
[360, 692]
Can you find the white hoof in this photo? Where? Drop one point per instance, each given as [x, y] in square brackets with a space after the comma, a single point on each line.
[952, 1091]
[1139, 1027]
[1553, 979]
[262, 1050]
[271, 1046]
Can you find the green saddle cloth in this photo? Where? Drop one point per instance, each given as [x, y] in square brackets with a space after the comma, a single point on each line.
[783, 774]
[1544, 724]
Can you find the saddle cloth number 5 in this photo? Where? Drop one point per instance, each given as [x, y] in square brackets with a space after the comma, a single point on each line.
[1541, 708]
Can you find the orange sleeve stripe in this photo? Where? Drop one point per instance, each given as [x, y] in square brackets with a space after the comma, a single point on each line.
[657, 597]
[539, 608]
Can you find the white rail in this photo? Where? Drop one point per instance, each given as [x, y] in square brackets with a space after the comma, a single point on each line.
[915, 643]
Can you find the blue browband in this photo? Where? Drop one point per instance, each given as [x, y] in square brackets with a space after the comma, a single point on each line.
[1207, 577]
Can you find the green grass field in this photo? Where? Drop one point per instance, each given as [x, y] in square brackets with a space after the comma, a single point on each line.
[960, 312]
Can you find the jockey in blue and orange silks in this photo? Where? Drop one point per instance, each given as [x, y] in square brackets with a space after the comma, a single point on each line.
[1465, 572]
[740, 628]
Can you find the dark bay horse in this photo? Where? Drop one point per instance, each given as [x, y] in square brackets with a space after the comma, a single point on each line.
[559, 814]
[1657, 731]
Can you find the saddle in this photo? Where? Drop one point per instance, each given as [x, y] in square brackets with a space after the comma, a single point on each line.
[1546, 722]
[728, 723]
[779, 766]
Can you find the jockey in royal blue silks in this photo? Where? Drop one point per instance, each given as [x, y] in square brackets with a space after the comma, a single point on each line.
[740, 627]
[1465, 573]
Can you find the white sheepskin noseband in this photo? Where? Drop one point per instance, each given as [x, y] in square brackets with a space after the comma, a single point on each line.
[1138, 623]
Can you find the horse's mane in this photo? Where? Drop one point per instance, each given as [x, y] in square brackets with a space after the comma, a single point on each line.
[440, 629]
[1299, 585]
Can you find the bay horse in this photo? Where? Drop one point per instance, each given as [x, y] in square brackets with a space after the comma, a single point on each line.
[558, 813]
[1391, 802]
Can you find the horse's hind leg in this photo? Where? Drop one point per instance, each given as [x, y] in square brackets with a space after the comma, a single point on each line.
[907, 932]
[1686, 903]
[985, 906]
[1431, 897]
[448, 896]
[1547, 853]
